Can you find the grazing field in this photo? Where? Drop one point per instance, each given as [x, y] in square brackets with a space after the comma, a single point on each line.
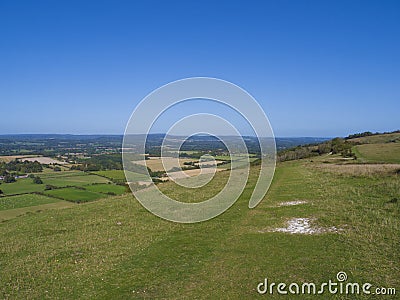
[191, 173]
[58, 179]
[74, 186]
[106, 189]
[156, 164]
[119, 175]
[74, 194]
[241, 160]
[378, 153]
[114, 248]
[76, 180]
[52, 174]
[21, 186]
[234, 157]
[12, 202]
[189, 152]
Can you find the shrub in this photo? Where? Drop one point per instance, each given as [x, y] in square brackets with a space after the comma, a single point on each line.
[37, 180]
[49, 187]
[9, 178]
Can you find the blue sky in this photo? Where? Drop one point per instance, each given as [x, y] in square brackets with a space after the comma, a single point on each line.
[318, 68]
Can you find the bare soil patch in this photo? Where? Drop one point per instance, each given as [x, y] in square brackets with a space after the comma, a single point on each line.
[292, 203]
[43, 160]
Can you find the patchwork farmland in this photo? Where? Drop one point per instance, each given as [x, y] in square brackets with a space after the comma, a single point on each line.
[24, 195]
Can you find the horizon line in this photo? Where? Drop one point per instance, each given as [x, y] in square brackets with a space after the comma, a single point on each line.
[116, 134]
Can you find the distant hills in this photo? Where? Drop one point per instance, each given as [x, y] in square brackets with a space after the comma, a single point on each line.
[56, 144]
[42, 142]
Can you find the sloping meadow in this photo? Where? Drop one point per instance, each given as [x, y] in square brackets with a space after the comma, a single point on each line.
[114, 248]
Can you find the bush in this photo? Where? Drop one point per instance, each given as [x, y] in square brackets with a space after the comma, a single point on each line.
[49, 187]
[37, 180]
[9, 178]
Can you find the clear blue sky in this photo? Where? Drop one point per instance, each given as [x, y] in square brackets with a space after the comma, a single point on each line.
[318, 68]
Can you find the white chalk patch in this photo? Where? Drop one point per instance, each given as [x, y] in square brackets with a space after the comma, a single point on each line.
[302, 226]
[291, 203]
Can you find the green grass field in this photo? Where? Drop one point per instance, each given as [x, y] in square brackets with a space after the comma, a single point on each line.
[379, 153]
[377, 139]
[75, 180]
[235, 157]
[19, 201]
[115, 249]
[49, 173]
[106, 188]
[22, 211]
[21, 186]
[239, 159]
[74, 194]
[58, 179]
[20, 197]
[119, 175]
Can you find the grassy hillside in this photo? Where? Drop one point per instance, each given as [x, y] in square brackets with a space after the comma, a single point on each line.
[379, 152]
[378, 148]
[114, 248]
[18, 201]
[377, 139]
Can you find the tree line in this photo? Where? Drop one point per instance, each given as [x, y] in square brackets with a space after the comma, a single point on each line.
[16, 167]
[99, 163]
[334, 146]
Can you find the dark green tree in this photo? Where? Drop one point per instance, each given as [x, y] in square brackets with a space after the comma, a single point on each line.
[37, 180]
[9, 178]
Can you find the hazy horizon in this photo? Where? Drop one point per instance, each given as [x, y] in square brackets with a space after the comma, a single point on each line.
[160, 133]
